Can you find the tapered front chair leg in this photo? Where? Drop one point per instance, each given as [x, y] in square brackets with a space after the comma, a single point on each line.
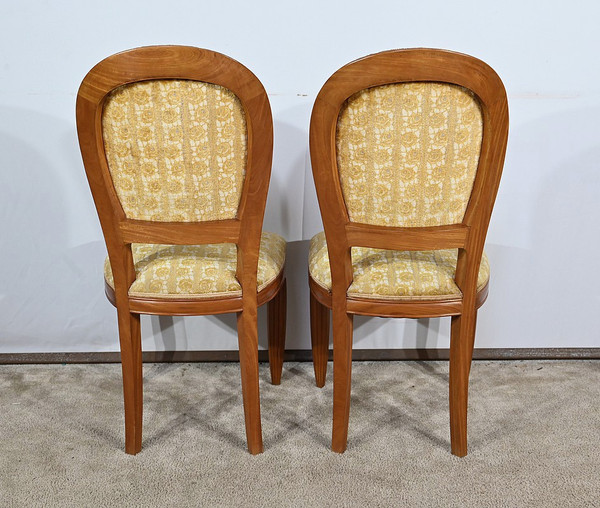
[131, 364]
[461, 355]
[276, 316]
[248, 344]
[342, 370]
[319, 335]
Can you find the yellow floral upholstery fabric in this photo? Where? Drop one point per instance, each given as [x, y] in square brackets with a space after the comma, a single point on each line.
[407, 153]
[389, 274]
[176, 150]
[197, 270]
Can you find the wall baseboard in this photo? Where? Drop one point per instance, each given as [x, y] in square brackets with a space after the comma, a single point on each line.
[305, 355]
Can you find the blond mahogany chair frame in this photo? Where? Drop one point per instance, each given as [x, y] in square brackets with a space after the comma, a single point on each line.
[186, 63]
[401, 66]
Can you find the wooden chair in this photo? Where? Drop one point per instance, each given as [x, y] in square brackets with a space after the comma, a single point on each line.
[177, 146]
[407, 149]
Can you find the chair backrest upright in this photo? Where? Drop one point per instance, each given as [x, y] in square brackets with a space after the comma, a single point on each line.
[177, 146]
[407, 149]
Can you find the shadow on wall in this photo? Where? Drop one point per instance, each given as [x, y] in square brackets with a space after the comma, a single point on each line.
[543, 292]
[287, 178]
[51, 292]
[192, 333]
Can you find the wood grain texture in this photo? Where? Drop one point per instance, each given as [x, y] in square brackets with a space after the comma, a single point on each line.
[131, 366]
[181, 62]
[276, 316]
[248, 346]
[319, 336]
[342, 376]
[461, 354]
[173, 233]
[426, 238]
[403, 66]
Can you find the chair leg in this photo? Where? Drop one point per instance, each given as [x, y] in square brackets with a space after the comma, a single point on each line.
[248, 344]
[461, 354]
[319, 335]
[131, 365]
[342, 370]
[276, 316]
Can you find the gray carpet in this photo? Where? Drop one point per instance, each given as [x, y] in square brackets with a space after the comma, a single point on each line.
[533, 438]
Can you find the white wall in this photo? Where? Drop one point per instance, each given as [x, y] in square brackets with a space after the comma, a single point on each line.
[543, 238]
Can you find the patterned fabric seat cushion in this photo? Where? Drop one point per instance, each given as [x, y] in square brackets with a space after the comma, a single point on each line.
[198, 271]
[398, 275]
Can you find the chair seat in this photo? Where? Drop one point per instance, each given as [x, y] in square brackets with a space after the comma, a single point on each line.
[198, 271]
[395, 275]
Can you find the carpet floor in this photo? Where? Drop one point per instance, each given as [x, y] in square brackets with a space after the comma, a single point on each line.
[534, 436]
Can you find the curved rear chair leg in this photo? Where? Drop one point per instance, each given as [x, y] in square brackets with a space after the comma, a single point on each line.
[342, 370]
[248, 344]
[461, 354]
[319, 336]
[131, 365]
[276, 316]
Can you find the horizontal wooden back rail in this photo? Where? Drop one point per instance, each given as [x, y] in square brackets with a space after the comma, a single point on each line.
[425, 238]
[180, 233]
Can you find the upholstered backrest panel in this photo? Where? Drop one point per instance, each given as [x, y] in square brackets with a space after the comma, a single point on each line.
[176, 150]
[407, 153]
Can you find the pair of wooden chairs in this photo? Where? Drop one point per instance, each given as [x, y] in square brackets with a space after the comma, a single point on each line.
[407, 149]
